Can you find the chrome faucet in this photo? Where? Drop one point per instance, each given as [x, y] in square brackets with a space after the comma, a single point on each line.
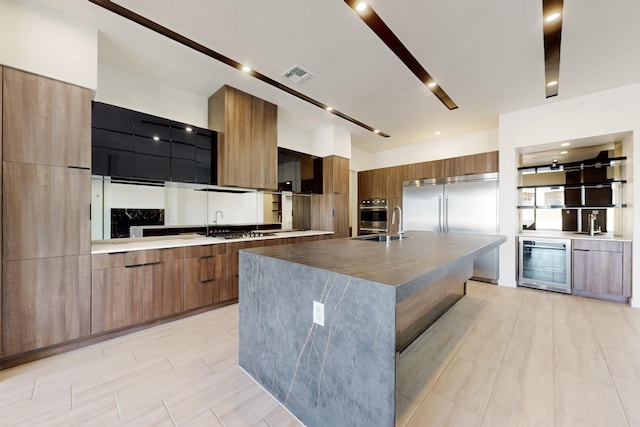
[215, 221]
[393, 220]
[591, 228]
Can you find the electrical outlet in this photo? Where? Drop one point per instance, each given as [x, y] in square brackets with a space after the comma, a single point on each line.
[318, 313]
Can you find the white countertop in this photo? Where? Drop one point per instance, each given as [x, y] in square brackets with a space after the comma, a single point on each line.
[571, 235]
[164, 242]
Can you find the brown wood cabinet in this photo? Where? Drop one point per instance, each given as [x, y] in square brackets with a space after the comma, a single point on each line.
[247, 139]
[205, 275]
[46, 146]
[602, 269]
[46, 302]
[46, 211]
[330, 210]
[116, 296]
[164, 294]
[46, 122]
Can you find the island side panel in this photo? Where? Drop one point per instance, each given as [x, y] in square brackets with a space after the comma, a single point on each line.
[342, 374]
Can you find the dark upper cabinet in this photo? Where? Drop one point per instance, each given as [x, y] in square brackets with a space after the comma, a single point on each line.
[129, 144]
[151, 126]
[152, 167]
[110, 117]
[146, 145]
[109, 162]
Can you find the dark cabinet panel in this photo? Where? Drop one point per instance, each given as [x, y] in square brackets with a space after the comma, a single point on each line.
[152, 167]
[129, 144]
[151, 126]
[183, 170]
[111, 139]
[183, 151]
[205, 166]
[108, 162]
[145, 145]
[110, 117]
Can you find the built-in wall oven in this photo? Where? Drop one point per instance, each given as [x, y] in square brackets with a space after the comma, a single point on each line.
[374, 216]
[545, 264]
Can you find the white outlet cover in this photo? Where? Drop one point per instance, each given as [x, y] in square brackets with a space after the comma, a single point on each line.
[318, 313]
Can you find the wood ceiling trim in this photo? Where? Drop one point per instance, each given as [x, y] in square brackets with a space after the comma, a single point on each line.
[552, 37]
[377, 25]
[164, 31]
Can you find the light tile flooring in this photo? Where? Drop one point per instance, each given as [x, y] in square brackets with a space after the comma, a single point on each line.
[500, 357]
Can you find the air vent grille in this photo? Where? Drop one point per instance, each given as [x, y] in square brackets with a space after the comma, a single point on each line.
[297, 74]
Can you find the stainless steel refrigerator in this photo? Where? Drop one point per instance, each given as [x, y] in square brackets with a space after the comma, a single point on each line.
[465, 204]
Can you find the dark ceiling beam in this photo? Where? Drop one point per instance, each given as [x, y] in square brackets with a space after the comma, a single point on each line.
[552, 37]
[377, 25]
[164, 31]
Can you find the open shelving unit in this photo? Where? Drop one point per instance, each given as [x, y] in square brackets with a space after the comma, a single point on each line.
[577, 188]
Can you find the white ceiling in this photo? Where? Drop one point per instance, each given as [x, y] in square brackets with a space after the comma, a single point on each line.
[488, 56]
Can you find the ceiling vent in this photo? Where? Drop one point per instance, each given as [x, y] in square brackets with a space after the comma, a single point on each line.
[297, 74]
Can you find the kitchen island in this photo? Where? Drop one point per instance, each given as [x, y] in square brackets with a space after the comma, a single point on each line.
[321, 322]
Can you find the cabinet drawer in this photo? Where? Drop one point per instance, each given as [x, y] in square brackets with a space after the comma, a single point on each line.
[127, 259]
[205, 250]
[597, 245]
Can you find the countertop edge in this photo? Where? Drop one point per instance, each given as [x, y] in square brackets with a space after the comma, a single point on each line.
[147, 243]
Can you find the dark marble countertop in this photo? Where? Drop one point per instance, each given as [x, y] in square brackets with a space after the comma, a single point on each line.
[420, 254]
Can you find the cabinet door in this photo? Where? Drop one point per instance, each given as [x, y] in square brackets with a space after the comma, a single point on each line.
[264, 170]
[46, 302]
[46, 211]
[341, 215]
[205, 275]
[116, 297]
[598, 272]
[46, 121]
[164, 293]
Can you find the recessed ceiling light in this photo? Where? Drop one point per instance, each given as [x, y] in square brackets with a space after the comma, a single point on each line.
[552, 83]
[329, 108]
[360, 7]
[246, 69]
[156, 138]
[432, 84]
[376, 131]
[565, 144]
[437, 132]
[564, 152]
[552, 17]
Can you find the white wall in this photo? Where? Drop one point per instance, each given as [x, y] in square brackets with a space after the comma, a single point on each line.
[36, 39]
[462, 145]
[603, 113]
[134, 92]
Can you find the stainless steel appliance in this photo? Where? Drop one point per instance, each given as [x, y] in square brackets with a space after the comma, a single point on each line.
[545, 264]
[374, 216]
[465, 204]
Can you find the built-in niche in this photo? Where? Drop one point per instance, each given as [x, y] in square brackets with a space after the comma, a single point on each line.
[562, 189]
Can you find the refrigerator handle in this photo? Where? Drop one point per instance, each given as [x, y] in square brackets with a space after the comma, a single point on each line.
[439, 213]
[446, 214]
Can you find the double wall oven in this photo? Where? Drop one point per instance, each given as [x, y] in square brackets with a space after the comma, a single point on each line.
[374, 215]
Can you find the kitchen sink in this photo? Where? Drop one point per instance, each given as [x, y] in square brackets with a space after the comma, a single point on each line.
[378, 238]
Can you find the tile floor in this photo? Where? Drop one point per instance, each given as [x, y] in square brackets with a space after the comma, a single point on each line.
[500, 357]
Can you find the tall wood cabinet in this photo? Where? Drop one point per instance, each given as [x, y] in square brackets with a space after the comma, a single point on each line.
[45, 209]
[330, 210]
[247, 139]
